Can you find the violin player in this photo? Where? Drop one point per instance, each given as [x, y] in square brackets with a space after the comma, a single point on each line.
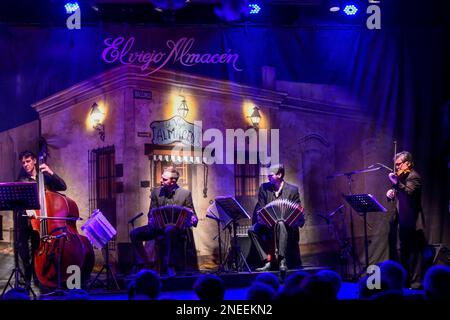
[409, 222]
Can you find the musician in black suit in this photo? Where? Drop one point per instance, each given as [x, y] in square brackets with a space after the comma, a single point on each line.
[169, 193]
[409, 222]
[261, 235]
[27, 239]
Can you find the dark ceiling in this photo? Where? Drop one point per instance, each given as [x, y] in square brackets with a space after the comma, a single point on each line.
[274, 12]
[195, 12]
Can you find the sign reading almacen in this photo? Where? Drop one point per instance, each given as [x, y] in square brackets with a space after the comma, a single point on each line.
[121, 50]
[176, 129]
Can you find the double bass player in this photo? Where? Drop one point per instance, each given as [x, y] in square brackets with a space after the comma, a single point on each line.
[28, 241]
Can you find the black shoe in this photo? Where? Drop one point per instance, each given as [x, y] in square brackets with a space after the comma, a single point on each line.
[283, 266]
[171, 272]
[266, 267]
[416, 286]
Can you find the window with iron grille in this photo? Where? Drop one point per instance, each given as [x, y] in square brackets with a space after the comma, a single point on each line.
[102, 185]
[246, 182]
[1, 227]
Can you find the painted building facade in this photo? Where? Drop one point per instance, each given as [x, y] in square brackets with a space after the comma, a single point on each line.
[142, 119]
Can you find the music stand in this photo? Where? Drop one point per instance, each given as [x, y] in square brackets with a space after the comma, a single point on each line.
[18, 196]
[349, 176]
[230, 207]
[364, 203]
[99, 232]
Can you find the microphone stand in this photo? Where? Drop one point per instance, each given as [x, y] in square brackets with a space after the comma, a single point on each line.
[352, 231]
[58, 238]
[218, 220]
[131, 221]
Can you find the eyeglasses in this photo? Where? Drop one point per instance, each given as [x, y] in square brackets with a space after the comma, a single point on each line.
[399, 163]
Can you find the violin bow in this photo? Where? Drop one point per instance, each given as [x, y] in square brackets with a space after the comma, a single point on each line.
[395, 153]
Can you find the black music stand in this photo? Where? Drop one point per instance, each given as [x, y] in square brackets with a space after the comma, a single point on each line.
[109, 274]
[230, 207]
[364, 203]
[18, 196]
[349, 176]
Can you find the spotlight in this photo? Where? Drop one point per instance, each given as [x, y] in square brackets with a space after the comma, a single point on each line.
[350, 10]
[71, 7]
[171, 5]
[254, 8]
[232, 10]
[334, 6]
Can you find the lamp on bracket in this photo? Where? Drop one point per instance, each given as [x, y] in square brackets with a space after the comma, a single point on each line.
[255, 117]
[183, 108]
[97, 116]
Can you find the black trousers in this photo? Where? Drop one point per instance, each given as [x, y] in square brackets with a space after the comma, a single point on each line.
[27, 243]
[412, 246]
[407, 246]
[172, 240]
[268, 239]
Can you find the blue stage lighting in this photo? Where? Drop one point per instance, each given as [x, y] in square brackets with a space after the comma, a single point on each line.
[71, 7]
[254, 8]
[334, 6]
[350, 10]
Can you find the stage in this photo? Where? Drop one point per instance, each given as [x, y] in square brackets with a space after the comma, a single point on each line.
[180, 287]
[202, 136]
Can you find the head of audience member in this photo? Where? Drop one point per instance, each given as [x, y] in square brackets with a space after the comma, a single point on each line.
[16, 294]
[394, 274]
[316, 287]
[367, 289]
[269, 279]
[291, 288]
[209, 287]
[145, 286]
[437, 283]
[387, 295]
[333, 277]
[260, 291]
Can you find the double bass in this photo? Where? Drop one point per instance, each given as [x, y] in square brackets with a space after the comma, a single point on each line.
[60, 244]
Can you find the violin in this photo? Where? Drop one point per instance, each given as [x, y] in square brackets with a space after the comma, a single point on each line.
[401, 172]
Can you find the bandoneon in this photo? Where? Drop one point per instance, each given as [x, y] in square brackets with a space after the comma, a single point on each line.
[281, 210]
[171, 215]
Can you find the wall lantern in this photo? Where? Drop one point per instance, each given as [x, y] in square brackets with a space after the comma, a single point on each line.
[255, 117]
[183, 108]
[97, 117]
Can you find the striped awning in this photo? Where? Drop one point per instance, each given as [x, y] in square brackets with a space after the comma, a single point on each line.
[178, 159]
